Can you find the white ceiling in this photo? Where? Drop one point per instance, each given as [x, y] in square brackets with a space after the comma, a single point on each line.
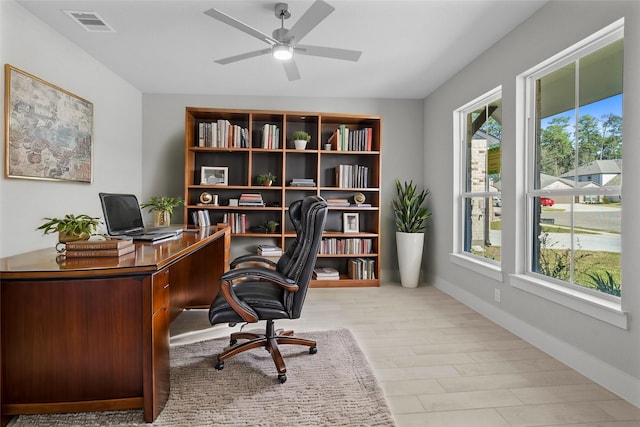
[410, 47]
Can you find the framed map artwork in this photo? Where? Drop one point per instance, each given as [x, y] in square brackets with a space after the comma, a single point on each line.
[48, 131]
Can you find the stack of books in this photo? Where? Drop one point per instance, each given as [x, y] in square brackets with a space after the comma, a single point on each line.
[251, 199]
[269, 250]
[99, 248]
[325, 273]
[302, 182]
[338, 202]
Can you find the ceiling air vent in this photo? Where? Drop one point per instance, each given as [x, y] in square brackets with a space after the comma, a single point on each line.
[90, 21]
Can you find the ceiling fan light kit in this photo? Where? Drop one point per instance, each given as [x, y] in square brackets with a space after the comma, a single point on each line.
[282, 52]
[284, 42]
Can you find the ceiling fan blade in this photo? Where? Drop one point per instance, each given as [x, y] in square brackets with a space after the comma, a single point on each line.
[291, 69]
[235, 58]
[312, 17]
[328, 52]
[223, 17]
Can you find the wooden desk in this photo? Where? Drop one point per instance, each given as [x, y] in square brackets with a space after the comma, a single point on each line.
[92, 334]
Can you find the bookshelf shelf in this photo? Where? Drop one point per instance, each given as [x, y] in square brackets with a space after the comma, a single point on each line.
[252, 142]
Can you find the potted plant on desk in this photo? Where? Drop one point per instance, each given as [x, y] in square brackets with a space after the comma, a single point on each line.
[410, 217]
[71, 227]
[162, 208]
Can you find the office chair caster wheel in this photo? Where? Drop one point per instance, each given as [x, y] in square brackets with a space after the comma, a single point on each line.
[313, 350]
[233, 342]
[282, 378]
[220, 366]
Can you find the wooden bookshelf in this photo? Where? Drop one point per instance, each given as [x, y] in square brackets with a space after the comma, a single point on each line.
[252, 153]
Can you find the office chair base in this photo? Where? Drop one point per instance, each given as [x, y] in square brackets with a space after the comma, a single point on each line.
[270, 341]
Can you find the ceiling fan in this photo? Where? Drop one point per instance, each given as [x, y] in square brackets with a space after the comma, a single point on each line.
[284, 42]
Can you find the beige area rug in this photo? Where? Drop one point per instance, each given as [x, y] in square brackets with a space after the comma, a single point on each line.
[334, 387]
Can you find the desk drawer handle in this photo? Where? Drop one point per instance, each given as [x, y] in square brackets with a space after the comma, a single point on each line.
[166, 286]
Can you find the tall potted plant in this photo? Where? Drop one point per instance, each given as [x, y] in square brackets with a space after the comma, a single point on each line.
[410, 216]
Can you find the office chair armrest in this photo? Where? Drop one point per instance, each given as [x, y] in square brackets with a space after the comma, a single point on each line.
[260, 273]
[251, 258]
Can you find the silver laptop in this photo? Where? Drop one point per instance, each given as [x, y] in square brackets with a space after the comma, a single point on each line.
[123, 218]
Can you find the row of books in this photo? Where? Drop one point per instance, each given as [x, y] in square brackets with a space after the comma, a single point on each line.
[201, 218]
[269, 250]
[250, 199]
[345, 139]
[222, 134]
[270, 136]
[352, 176]
[362, 269]
[99, 248]
[237, 221]
[302, 182]
[351, 246]
[325, 273]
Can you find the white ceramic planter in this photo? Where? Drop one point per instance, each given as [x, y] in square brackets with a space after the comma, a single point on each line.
[300, 144]
[410, 247]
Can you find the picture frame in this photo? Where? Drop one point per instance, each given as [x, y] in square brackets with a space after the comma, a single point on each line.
[48, 130]
[214, 175]
[350, 222]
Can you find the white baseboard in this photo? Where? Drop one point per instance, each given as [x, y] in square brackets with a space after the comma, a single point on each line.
[608, 376]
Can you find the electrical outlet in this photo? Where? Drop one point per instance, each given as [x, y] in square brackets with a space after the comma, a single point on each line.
[496, 294]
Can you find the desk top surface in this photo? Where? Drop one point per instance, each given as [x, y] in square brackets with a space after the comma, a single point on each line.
[148, 257]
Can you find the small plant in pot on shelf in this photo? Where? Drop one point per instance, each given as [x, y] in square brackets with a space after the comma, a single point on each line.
[71, 227]
[162, 208]
[271, 226]
[266, 179]
[410, 216]
[300, 139]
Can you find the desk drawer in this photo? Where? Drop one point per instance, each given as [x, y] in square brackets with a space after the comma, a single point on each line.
[160, 296]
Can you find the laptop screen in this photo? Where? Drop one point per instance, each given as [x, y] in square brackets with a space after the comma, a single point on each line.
[121, 213]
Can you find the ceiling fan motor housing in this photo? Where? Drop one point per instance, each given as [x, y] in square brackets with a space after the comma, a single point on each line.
[282, 35]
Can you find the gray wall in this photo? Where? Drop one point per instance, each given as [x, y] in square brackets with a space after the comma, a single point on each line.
[603, 352]
[402, 144]
[116, 125]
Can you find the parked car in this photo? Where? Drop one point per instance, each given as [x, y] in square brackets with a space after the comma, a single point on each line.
[545, 201]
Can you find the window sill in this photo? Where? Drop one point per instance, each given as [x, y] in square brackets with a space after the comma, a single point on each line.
[590, 305]
[486, 269]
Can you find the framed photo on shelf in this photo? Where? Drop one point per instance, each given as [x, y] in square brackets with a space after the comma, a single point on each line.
[351, 222]
[49, 131]
[214, 175]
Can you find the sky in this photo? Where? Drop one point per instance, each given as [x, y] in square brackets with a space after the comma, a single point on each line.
[596, 109]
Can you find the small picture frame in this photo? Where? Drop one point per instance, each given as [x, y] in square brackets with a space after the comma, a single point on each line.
[214, 175]
[351, 222]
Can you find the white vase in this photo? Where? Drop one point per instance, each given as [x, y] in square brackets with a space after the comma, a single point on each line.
[410, 247]
[300, 144]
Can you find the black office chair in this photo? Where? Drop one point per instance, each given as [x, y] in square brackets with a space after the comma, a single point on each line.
[251, 294]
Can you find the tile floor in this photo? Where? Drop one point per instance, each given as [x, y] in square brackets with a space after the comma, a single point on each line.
[442, 364]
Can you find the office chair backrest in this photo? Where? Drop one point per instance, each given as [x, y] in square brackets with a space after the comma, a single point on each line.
[295, 215]
[313, 216]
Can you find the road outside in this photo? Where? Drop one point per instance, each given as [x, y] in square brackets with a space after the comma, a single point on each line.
[603, 222]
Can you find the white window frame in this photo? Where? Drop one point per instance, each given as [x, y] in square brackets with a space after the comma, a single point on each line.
[478, 264]
[595, 304]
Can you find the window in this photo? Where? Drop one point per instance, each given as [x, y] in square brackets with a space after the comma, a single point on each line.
[574, 142]
[479, 136]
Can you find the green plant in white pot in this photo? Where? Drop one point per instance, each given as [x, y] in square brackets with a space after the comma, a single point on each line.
[410, 217]
[300, 139]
